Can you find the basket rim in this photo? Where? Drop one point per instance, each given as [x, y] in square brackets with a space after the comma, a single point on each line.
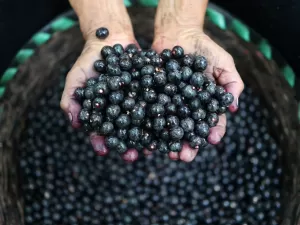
[217, 15]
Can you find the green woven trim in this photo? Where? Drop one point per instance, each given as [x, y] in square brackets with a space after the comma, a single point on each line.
[2, 90]
[265, 49]
[8, 75]
[217, 18]
[23, 55]
[149, 3]
[289, 75]
[241, 30]
[127, 3]
[62, 23]
[40, 38]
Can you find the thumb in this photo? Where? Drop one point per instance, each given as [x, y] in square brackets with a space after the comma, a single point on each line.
[81, 71]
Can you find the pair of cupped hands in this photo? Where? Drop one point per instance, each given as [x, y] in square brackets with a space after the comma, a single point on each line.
[176, 23]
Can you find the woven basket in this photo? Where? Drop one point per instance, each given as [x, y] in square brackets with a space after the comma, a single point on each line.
[38, 64]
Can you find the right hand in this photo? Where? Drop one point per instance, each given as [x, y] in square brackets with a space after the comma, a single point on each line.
[120, 32]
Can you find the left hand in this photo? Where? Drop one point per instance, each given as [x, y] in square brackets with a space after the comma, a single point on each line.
[173, 27]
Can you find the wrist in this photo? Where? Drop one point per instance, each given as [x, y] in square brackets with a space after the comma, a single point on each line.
[180, 14]
[93, 14]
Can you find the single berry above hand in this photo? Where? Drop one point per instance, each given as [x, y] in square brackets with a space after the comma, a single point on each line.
[145, 100]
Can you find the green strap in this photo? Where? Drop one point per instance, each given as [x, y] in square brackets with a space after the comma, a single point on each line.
[265, 49]
[217, 18]
[241, 30]
[62, 23]
[40, 38]
[289, 75]
[8, 75]
[23, 55]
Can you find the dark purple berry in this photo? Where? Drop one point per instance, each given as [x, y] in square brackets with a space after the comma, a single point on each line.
[176, 133]
[136, 122]
[136, 75]
[194, 104]
[162, 147]
[174, 77]
[106, 51]
[128, 103]
[159, 123]
[184, 111]
[102, 33]
[119, 50]
[112, 59]
[123, 121]
[170, 109]
[213, 105]
[91, 81]
[226, 99]
[146, 138]
[89, 92]
[157, 110]
[172, 121]
[177, 52]
[195, 142]
[125, 77]
[197, 79]
[134, 86]
[152, 146]
[147, 81]
[150, 52]
[125, 64]
[200, 63]
[155, 60]
[164, 135]
[138, 112]
[212, 119]
[135, 134]
[148, 123]
[188, 60]
[210, 87]
[221, 110]
[204, 96]
[172, 65]
[219, 92]
[147, 70]
[189, 92]
[198, 114]
[87, 104]
[100, 66]
[202, 129]
[116, 97]
[79, 94]
[113, 111]
[186, 73]
[160, 78]
[131, 49]
[177, 100]
[187, 124]
[106, 128]
[84, 115]
[111, 142]
[121, 147]
[175, 146]
[166, 54]
[138, 61]
[113, 70]
[114, 83]
[163, 99]
[101, 89]
[170, 89]
[150, 96]
[122, 133]
[99, 104]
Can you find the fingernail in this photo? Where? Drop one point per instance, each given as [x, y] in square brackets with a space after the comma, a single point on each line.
[70, 117]
[214, 139]
[237, 102]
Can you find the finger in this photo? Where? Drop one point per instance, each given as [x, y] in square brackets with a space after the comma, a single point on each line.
[187, 153]
[99, 145]
[174, 155]
[232, 82]
[217, 132]
[130, 155]
[81, 71]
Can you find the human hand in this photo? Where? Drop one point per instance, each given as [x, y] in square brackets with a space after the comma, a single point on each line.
[120, 32]
[181, 23]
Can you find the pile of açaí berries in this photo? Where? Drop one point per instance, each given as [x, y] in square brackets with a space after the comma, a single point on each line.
[142, 99]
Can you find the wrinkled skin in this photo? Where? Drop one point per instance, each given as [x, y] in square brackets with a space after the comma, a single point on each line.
[190, 37]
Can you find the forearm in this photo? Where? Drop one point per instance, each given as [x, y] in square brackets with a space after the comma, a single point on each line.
[180, 13]
[93, 14]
